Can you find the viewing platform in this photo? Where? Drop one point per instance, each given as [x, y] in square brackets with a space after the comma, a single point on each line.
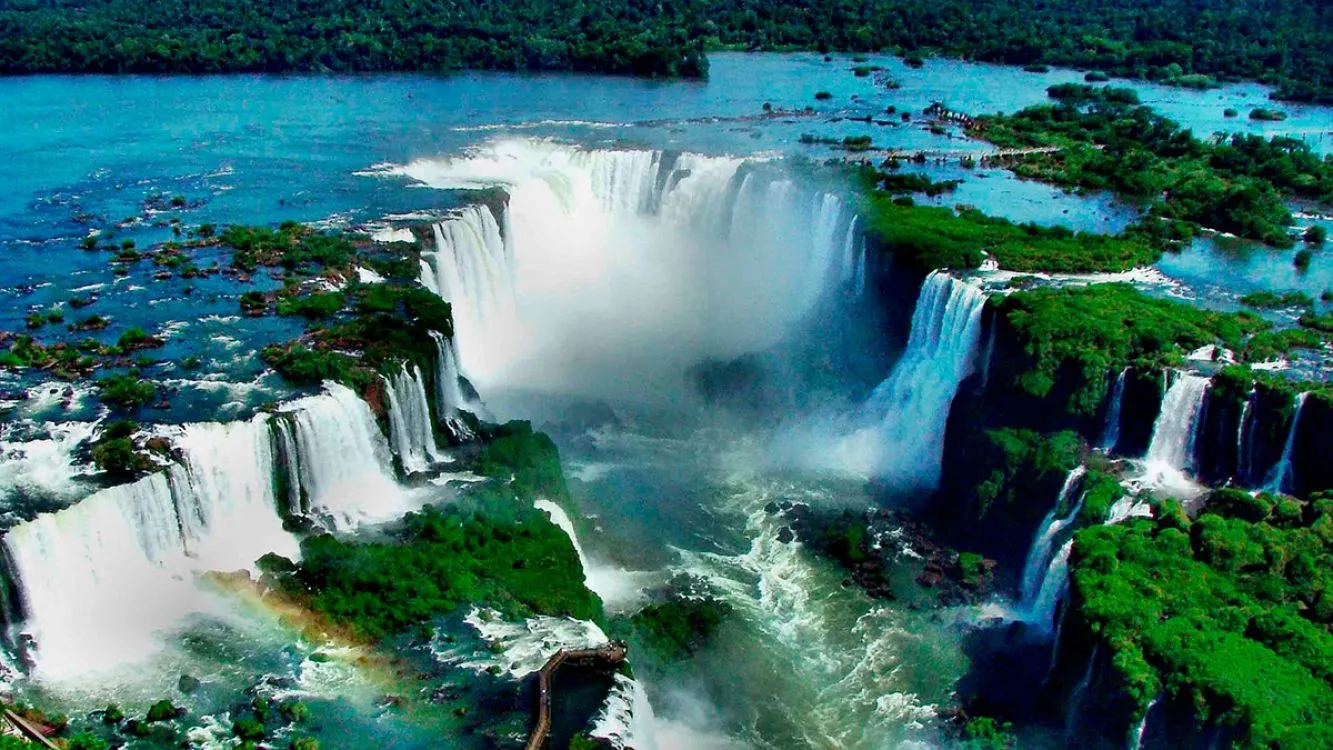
[612, 654]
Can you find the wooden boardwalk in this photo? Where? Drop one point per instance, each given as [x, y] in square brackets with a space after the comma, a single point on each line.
[951, 153]
[612, 653]
[29, 730]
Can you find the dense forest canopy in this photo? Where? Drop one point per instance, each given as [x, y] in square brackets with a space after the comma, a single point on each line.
[1286, 43]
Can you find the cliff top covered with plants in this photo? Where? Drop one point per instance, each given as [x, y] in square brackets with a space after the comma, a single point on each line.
[492, 548]
[1175, 41]
[1076, 337]
[1228, 613]
[929, 237]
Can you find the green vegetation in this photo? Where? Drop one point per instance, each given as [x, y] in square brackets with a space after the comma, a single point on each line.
[1315, 235]
[64, 361]
[676, 629]
[1322, 323]
[292, 246]
[122, 36]
[315, 306]
[248, 730]
[126, 391]
[1020, 461]
[896, 183]
[528, 459]
[1266, 346]
[77, 742]
[490, 548]
[1267, 115]
[1073, 337]
[1100, 491]
[162, 710]
[932, 237]
[392, 324]
[253, 303]
[1174, 41]
[115, 452]
[1266, 300]
[1228, 613]
[985, 733]
[302, 365]
[493, 549]
[1108, 142]
[92, 323]
[856, 143]
[137, 338]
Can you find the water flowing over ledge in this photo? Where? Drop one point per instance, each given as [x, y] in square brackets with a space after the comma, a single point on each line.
[623, 261]
[898, 433]
[103, 581]
[410, 429]
[100, 579]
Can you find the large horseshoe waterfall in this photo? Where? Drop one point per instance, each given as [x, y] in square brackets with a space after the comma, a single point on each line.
[609, 268]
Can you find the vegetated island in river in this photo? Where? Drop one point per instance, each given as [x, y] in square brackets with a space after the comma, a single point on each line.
[1103, 139]
[1095, 139]
[1180, 42]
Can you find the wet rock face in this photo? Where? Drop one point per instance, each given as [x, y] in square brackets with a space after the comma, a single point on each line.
[1311, 469]
[889, 554]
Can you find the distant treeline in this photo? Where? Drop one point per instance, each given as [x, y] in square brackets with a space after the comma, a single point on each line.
[217, 36]
[1184, 41]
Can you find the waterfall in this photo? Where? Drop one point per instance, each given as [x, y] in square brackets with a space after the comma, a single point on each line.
[616, 587]
[1243, 434]
[1054, 583]
[1137, 742]
[410, 429]
[623, 181]
[854, 257]
[45, 466]
[1279, 479]
[907, 413]
[622, 719]
[226, 508]
[1050, 528]
[1111, 432]
[989, 353]
[288, 452]
[1125, 508]
[1055, 645]
[1076, 695]
[102, 579]
[1176, 429]
[471, 268]
[343, 459]
[600, 252]
[449, 390]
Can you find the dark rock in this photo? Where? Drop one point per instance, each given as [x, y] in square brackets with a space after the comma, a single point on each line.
[786, 536]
